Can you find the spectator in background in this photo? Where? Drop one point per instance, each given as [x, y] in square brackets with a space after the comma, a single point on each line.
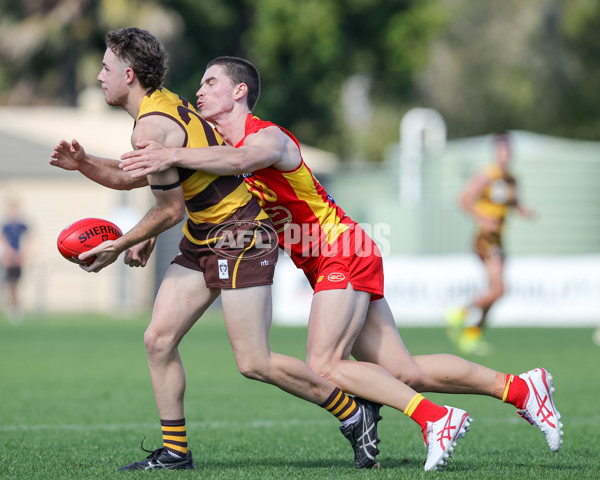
[487, 197]
[14, 232]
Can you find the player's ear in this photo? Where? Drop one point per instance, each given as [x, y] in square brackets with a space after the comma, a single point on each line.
[129, 75]
[240, 90]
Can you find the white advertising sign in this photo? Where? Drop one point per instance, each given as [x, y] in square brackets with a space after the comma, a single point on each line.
[540, 290]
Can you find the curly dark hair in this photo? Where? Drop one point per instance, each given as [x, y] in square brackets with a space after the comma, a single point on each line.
[143, 52]
[240, 70]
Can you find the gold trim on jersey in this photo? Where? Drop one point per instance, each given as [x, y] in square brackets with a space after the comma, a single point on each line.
[302, 181]
[262, 215]
[221, 211]
[197, 183]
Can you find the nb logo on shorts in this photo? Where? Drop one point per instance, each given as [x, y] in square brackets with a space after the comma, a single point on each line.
[336, 277]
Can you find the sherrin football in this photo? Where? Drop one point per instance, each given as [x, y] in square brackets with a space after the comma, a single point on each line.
[84, 235]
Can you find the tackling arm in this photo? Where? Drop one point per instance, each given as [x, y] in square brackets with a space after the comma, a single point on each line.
[269, 147]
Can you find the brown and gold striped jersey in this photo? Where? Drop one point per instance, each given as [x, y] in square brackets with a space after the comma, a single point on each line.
[210, 199]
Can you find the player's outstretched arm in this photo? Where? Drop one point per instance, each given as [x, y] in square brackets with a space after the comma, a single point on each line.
[261, 150]
[169, 208]
[105, 171]
[168, 212]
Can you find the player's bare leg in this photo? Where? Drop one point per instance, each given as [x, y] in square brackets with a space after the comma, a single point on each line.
[494, 267]
[248, 319]
[182, 298]
[247, 314]
[331, 334]
[379, 342]
[471, 339]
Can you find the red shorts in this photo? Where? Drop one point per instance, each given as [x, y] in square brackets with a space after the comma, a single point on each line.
[357, 260]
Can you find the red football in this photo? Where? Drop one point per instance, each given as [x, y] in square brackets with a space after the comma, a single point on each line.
[84, 235]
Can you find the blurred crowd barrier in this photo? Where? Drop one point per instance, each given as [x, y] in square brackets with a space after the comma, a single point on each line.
[540, 290]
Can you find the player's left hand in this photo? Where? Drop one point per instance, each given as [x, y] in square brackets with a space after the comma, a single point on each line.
[105, 253]
[151, 157]
[138, 255]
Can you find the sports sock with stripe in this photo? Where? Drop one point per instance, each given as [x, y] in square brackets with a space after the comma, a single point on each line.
[422, 411]
[175, 437]
[342, 406]
[515, 391]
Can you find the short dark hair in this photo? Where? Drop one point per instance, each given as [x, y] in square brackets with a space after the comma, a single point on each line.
[239, 71]
[143, 52]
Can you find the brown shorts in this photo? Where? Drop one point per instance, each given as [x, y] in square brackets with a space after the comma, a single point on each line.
[246, 260]
[488, 245]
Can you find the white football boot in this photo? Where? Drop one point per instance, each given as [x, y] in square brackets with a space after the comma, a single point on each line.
[539, 409]
[442, 436]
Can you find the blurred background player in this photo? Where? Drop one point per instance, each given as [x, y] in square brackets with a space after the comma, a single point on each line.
[14, 233]
[487, 197]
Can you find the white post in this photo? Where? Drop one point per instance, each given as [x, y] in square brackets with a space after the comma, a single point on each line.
[422, 130]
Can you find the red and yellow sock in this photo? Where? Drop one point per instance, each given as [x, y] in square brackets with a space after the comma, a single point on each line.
[511, 389]
[175, 437]
[422, 411]
[340, 405]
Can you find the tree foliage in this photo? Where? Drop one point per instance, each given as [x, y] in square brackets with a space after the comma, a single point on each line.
[339, 73]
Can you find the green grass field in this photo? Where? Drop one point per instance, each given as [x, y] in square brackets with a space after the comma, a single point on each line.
[77, 401]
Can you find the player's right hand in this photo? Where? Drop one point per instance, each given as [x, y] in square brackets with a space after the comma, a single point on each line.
[105, 253]
[149, 157]
[68, 156]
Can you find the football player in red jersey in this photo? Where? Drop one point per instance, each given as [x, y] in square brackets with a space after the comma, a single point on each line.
[349, 314]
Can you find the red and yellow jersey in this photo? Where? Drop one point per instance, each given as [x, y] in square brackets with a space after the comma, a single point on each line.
[209, 199]
[498, 196]
[305, 216]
